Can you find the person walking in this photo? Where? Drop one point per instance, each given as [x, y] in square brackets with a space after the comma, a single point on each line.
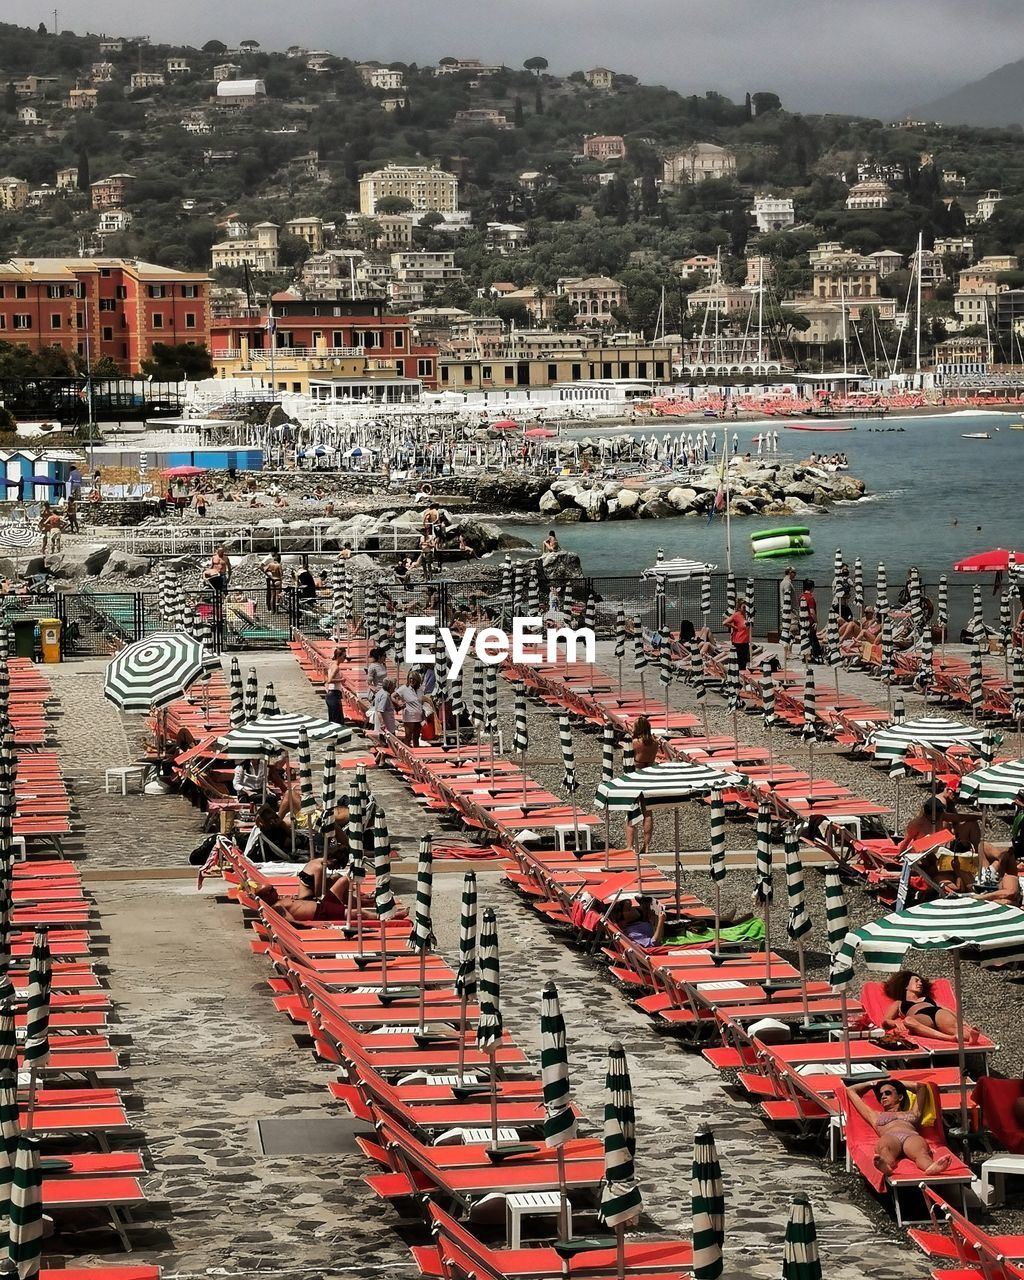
[274, 573]
[71, 511]
[807, 598]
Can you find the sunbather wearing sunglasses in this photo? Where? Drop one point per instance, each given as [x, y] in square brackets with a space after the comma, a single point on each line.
[897, 1125]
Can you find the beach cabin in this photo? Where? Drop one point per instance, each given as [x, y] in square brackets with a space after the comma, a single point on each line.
[43, 476]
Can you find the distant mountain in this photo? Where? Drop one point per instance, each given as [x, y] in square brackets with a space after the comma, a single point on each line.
[994, 101]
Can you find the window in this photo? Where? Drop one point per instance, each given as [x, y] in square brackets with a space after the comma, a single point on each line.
[624, 369]
[190, 319]
[20, 291]
[55, 320]
[467, 373]
[190, 291]
[107, 304]
[3, 322]
[124, 350]
[606, 369]
[121, 291]
[424, 369]
[156, 291]
[485, 372]
[399, 339]
[297, 387]
[108, 334]
[552, 373]
[22, 322]
[444, 374]
[158, 320]
[510, 373]
[55, 291]
[2, 294]
[105, 272]
[577, 372]
[337, 338]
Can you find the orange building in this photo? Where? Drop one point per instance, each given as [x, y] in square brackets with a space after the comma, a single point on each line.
[123, 306]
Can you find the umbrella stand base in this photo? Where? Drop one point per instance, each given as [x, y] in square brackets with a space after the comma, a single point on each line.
[971, 1139]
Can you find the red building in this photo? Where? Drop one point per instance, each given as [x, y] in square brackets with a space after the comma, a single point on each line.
[115, 307]
[319, 332]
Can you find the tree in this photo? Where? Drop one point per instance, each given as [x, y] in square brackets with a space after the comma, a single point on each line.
[563, 313]
[765, 102]
[82, 181]
[171, 363]
[41, 30]
[517, 109]
[536, 65]
[292, 251]
[248, 46]
[538, 102]
[11, 99]
[393, 204]
[739, 229]
[215, 46]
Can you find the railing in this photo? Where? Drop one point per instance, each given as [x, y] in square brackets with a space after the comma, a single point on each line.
[262, 355]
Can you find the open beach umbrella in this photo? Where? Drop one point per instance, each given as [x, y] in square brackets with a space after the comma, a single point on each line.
[251, 694]
[421, 935]
[25, 1221]
[17, 537]
[858, 583]
[667, 783]
[799, 922]
[621, 1201]
[465, 977]
[559, 1117]
[383, 897]
[489, 1027]
[707, 1207]
[716, 847]
[236, 692]
[994, 784]
[155, 671]
[999, 558]
[800, 1259]
[992, 930]
[928, 731]
[262, 737]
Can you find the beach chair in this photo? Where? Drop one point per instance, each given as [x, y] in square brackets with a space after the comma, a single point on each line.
[876, 1004]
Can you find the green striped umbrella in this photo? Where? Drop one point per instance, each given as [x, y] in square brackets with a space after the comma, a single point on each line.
[6, 889]
[251, 695]
[559, 1117]
[993, 931]
[858, 583]
[489, 1023]
[929, 731]
[37, 1004]
[477, 708]
[521, 725]
[307, 796]
[517, 589]
[371, 613]
[916, 603]
[356, 826]
[806, 648]
[5, 687]
[665, 671]
[732, 682]
[329, 783]
[707, 1207]
[730, 593]
[799, 922]
[10, 1131]
[705, 594]
[809, 730]
[667, 783]
[749, 604]
[926, 663]
[569, 780]
[506, 576]
[989, 745]
[628, 760]
[639, 657]
[833, 652]
[767, 697]
[763, 888]
[8, 1039]
[942, 606]
[837, 925]
[1018, 685]
[899, 711]
[269, 705]
[800, 1259]
[533, 593]
[607, 752]
[154, 671]
[660, 604]
[838, 579]
[995, 784]
[357, 873]
[590, 614]
[977, 622]
[421, 936]
[237, 694]
[887, 670]
[269, 735]
[697, 670]
[621, 1201]
[881, 590]
[976, 678]
[786, 617]
[716, 847]
[620, 633]
[1006, 620]
[490, 724]
[465, 978]
[25, 1226]
[383, 897]
[442, 690]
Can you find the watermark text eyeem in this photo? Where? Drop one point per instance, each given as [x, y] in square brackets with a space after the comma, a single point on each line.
[530, 642]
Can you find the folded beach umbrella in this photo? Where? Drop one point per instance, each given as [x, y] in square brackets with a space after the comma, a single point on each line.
[489, 1023]
[809, 731]
[36, 1052]
[837, 914]
[858, 583]
[533, 596]
[749, 606]
[800, 1259]
[716, 847]
[887, 670]
[236, 691]
[10, 1132]
[620, 634]
[639, 657]
[25, 1224]
[926, 662]
[621, 1201]
[942, 604]
[799, 922]
[358, 799]
[731, 686]
[521, 724]
[607, 752]
[899, 711]
[989, 745]
[838, 577]
[490, 725]
[421, 936]
[442, 688]
[976, 677]
[730, 592]
[705, 595]
[590, 615]
[833, 651]
[666, 671]
[977, 623]
[660, 605]
[5, 687]
[806, 646]
[1006, 619]
[477, 710]
[767, 696]
[8, 1039]
[763, 891]
[251, 695]
[565, 742]
[1017, 710]
[506, 576]
[371, 613]
[329, 783]
[518, 589]
[307, 796]
[995, 784]
[881, 590]
[465, 977]
[707, 1207]
[559, 1119]
[916, 600]
[383, 897]
[696, 669]
[155, 671]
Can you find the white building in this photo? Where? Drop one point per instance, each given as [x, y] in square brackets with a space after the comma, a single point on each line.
[987, 205]
[773, 213]
[869, 194]
[424, 188]
[701, 162]
[28, 116]
[146, 80]
[259, 251]
[178, 67]
[113, 221]
[240, 93]
[225, 71]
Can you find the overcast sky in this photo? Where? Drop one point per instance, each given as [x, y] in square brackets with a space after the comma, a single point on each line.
[870, 56]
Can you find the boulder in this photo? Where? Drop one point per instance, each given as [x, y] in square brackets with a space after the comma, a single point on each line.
[96, 558]
[593, 502]
[571, 515]
[549, 502]
[628, 500]
[559, 566]
[125, 564]
[657, 510]
[682, 499]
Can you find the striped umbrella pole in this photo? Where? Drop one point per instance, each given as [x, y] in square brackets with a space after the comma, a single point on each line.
[705, 597]
[976, 679]
[806, 648]
[989, 746]
[707, 1207]
[888, 669]
[799, 922]
[559, 1117]
[768, 705]
[383, 897]
[621, 1201]
[834, 653]
[521, 730]
[421, 936]
[763, 890]
[639, 657]
[800, 1259]
[489, 1027]
[251, 694]
[25, 1221]
[236, 692]
[942, 610]
[36, 1052]
[620, 639]
[837, 925]
[465, 978]
[570, 782]
[899, 710]
[660, 605]
[716, 845]
[881, 590]
[858, 583]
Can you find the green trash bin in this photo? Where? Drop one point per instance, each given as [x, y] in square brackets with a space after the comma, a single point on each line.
[25, 637]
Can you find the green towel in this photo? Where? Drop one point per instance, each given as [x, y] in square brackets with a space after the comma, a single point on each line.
[751, 930]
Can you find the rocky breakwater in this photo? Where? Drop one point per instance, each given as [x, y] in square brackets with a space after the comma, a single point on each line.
[755, 488]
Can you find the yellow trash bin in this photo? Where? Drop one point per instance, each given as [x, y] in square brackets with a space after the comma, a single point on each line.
[49, 638]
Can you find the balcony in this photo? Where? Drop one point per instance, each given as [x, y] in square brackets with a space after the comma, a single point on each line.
[262, 355]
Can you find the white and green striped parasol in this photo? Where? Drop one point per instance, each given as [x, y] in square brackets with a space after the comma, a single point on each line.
[731, 687]
[928, 731]
[329, 783]
[10, 1131]
[607, 752]
[639, 657]
[383, 897]
[942, 604]
[806, 647]
[809, 729]
[665, 670]
[763, 857]
[307, 796]
[620, 633]
[521, 724]
[697, 670]
[976, 678]
[155, 671]
[269, 706]
[705, 594]
[926, 662]
[465, 977]
[490, 724]
[858, 583]
[833, 652]
[707, 1207]
[569, 780]
[800, 1259]
[421, 936]
[837, 913]
[8, 1039]
[881, 590]
[477, 711]
[621, 1201]
[730, 593]
[1017, 710]
[36, 1052]
[25, 1225]
[667, 783]
[749, 605]
[251, 694]
[559, 1118]
[887, 670]
[995, 784]
[489, 1024]
[717, 837]
[267, 736]
[590, 614]
[236, 692]
[767, 696]
[799, 922]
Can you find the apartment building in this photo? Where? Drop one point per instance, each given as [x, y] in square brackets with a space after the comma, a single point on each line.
[425, 188]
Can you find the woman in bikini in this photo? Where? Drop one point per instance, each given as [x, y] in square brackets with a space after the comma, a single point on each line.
[897, 1125]
[914, 1009]
[310, 902]
[645, 752]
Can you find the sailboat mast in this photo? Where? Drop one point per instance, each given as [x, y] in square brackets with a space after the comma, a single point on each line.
[760, 312]
[728, 503]
[842, 322]
[917, 353]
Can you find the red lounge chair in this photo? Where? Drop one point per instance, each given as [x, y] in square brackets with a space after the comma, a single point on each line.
[996, 1099]
[876, 1004]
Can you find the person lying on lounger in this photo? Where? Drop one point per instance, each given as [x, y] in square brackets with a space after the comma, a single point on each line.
[642, 921]
[897, 1125]
[914, 1009]
[310, 902]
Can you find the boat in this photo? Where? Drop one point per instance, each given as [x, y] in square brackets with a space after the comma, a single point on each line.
[975, 435]
[775, 544]
[678, 569]
[1017, 426]
[813, 426]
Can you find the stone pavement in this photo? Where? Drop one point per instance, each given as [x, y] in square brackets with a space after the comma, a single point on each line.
[208, 1057]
